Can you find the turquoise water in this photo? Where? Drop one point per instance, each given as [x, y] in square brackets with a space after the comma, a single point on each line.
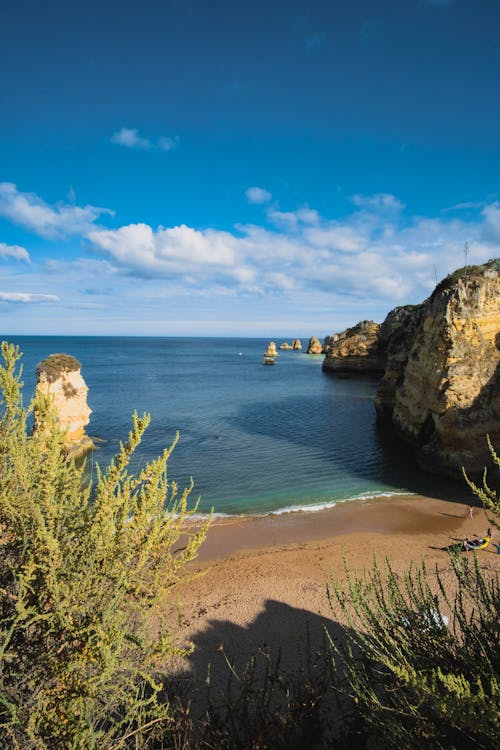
[255, 439]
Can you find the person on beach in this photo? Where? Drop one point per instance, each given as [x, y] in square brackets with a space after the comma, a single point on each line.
[470, 544]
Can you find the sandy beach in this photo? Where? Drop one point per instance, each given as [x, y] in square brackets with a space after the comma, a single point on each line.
[263, 580]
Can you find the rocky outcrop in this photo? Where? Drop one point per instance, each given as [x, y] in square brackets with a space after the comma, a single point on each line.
[297, 344]
[314, 346]
[271, 350]
[357, 349]
[441, 387]
[59, 376]
[364, 347]
[285, 345]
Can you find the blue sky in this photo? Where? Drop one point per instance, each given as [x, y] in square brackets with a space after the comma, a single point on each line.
[188, 167]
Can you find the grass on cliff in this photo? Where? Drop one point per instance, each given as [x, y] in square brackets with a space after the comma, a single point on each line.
[465, 272]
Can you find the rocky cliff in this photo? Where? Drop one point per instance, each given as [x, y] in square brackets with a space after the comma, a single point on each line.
[364, 347]
[441, 387]
[60, 377]
[356, 349]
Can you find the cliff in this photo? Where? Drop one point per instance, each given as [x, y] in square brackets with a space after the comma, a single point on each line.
[60, 377]
[441, 387]
[364, 347]
[356, 349]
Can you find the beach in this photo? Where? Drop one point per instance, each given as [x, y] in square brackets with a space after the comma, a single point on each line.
[263, 581]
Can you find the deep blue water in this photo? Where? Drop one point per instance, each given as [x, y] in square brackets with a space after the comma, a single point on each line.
[255, 439]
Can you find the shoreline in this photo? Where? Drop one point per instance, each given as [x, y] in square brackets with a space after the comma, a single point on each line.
[261, 582]
[379, 514]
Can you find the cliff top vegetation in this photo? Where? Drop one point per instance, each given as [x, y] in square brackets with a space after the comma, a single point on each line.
[466, 271]
[55, 364]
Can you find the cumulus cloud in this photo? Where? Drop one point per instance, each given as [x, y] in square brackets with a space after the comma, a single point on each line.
[57, 221]
[130, 138]
[27, 297]
[258, 195]
[14, 251]
[375, 255]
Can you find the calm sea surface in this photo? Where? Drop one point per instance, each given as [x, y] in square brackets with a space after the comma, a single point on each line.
[255, 439]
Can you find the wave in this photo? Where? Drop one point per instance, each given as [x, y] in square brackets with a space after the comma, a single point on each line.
[305, 508]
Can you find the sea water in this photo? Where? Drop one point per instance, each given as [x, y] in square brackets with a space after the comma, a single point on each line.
[255, 439]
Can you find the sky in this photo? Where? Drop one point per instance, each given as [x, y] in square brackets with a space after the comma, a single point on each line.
[237, 168]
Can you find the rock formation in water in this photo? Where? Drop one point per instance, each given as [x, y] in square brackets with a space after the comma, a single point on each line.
[358, 349]
[271, 350]
[285, 345]
[296, 344]
[59, 376]
[314, 346]
[441, 387]
[364, 347]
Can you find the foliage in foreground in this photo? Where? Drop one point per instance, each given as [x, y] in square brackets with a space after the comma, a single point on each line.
[80, 574]
[412, 680]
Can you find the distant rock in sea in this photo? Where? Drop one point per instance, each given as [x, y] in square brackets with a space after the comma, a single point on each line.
[314, 346]
[271, 350]
[60, 377]
[285, 345]
[297, 344]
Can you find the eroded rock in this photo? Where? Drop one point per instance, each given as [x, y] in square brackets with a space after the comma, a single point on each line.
[59, 376]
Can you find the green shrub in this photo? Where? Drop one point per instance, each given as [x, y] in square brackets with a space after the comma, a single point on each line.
[83, 575]
[410, 677]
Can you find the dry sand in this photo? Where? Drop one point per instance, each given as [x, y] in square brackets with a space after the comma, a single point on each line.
[264, 579]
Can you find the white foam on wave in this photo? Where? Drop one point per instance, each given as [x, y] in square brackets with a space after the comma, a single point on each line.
[307, 508]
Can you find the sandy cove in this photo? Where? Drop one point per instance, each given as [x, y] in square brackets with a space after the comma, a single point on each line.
[264, 579]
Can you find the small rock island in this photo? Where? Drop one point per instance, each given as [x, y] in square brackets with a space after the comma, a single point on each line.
[60, 377]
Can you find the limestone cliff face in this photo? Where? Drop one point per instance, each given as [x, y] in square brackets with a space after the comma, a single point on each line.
[60, 377]
[364, 347]
[355, 350]
[314, 346]
[441, 388]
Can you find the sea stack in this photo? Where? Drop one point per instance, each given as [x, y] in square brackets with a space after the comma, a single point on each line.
[271, 350]
[285, 345]
[59, 376]
[296, 344]
[314, 346]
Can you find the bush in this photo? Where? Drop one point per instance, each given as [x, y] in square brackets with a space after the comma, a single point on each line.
[82, 571]
[409, 679]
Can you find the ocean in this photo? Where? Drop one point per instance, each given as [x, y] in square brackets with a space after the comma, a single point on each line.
[255, 439]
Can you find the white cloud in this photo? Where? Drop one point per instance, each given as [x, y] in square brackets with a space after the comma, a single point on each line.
[258, 195]
[371, 254]
[373, 258]
[57, 221]
[378, 202]
[14, 251]
[130, 138]
[26, 297]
